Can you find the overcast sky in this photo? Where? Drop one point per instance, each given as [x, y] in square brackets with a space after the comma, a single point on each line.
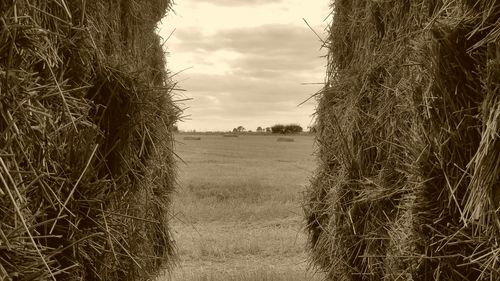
[246, 60]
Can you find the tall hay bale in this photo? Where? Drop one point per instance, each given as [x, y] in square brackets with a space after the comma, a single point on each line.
[86, 168]
[408, 141]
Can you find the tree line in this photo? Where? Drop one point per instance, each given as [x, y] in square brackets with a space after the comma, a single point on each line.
[276, 129]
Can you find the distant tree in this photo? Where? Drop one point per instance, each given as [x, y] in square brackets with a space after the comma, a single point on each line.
[293, 129]
[240, 129]
[268, 130]
[259, 129]
[286, 129]
[278, 129]
[235, 130]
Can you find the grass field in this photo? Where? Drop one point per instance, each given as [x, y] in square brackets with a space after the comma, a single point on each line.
[237, 213]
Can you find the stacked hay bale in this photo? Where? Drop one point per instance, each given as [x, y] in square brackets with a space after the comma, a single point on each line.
[86, 168]
[408, 134]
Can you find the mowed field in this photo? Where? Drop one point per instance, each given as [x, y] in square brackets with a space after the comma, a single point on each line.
[237, 212]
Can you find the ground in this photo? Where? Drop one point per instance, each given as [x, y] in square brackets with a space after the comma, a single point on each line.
[237, 212]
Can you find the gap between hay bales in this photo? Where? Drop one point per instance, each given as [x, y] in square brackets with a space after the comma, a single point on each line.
[238, 209]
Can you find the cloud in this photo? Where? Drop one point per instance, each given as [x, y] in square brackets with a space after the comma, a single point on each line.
[266, 39]
[236, 89]
[264, 51]
[250, 74]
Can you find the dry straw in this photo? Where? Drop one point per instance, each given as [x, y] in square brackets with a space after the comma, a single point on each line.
[86, 168]
[408, 133]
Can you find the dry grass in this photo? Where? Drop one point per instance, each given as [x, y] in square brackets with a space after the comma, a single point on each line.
[85, 177]
[409, 143]
[252, 275]
[238, 210]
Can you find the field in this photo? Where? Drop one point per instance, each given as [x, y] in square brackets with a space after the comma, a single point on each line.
[237, 211]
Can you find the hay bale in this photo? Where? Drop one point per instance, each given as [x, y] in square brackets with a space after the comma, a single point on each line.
[284, 139]
[192, 138]
[86, 168]
[409, 143]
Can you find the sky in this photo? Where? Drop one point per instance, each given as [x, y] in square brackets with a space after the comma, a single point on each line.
[245, 63]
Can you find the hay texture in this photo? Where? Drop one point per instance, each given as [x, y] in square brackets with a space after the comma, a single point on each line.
[408, 129]
[86, 168]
